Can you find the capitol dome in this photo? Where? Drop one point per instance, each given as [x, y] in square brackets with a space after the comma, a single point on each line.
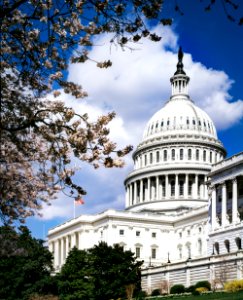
[178, 117]
[177, 151]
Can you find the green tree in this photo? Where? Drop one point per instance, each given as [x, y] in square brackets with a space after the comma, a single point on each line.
[102, 272]
[113, 270]
[75, 280]
[25, 265]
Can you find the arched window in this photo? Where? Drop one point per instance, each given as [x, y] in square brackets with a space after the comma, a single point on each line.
[188, 246]
[172, 184]
[238, 243]
[216, 247]
[173, 154]
[210, 156]
[227, 245]
[199, 246]
[180, 251]
[181, 188]
[181, 154]
[204, 155]
[165, 155]
[157, 156]
[145, 160]
[197, 154]
[168, 122]
[189, 154]
[151, 158]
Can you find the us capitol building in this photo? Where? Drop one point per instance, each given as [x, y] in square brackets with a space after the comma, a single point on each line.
[184, 201]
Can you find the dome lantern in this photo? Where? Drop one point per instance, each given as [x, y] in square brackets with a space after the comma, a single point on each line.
[179, 82]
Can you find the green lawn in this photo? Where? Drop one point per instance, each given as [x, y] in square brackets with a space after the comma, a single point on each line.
[213, 296]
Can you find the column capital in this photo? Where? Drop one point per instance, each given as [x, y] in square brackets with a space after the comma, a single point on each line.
[234, 180]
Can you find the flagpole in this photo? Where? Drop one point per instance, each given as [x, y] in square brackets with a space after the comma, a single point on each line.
[74, 212]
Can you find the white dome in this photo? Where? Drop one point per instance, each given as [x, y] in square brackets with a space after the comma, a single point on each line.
[179, 117]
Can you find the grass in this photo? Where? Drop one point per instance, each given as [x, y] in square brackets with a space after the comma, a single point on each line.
[208, 296]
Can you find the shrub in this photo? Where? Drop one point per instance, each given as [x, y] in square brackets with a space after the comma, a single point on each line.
[190, 289]
[234, 285]
[141, 295]
[202, 289]
[177, 289]
[156, 292]
[204, 283]
[195, 293]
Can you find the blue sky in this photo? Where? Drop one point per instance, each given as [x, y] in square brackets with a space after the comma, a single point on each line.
[138, 85]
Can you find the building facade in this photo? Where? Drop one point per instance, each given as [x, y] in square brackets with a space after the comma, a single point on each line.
[184, 201]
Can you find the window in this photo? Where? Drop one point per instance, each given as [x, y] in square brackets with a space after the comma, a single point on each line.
[227, 245]
[188, 232]
[121, 232]
[173, 154]
[153, 253]
[181, 154]
[197, 154]
[210, 156]
[180, 234]
[238, 243]
[200, 247]
[180, 252]
[157, 156]
[168, 122]
[189, 154]
[216, 247]
[165, 155]
[181, 188]
[204, 155]
[162, 123]
[153, 234]
[145, 160]
[200, 229]
[138, 252]
[137, 233]
[151, 158]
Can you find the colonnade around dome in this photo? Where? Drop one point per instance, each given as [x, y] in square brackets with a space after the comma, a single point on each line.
[187, 186]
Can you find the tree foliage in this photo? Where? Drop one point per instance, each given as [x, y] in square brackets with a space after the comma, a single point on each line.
[25, 265]
[40, 135]
[102, 272]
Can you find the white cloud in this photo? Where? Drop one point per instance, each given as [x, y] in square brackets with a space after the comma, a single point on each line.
[136, 86]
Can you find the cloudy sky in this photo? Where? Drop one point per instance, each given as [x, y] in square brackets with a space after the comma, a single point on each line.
[138, 84]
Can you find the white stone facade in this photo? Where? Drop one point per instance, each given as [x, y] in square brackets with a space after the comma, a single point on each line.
[184, 201]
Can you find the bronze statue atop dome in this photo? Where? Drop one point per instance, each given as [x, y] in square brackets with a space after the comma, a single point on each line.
[180, 64]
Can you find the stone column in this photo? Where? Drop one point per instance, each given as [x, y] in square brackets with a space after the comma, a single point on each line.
[148, 190]
[141, 190]
[205, 188]
[167, 192]
[176, 186]
[186, 186]
[127, 196]
[135, 192]
[224, 203]
[157, 188]
[196, 186]
[56, 253]
[62, 251]
[67, 245]
[213, 208]
[73, 240]
[234, 201]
